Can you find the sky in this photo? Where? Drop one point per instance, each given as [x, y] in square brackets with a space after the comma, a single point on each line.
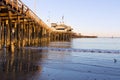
[88, 17]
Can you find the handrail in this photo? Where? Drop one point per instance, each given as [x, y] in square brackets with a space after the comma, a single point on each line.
[21, 6]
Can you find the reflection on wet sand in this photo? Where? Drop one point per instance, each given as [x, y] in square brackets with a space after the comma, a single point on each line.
[19, 64]
[37, 63]
[25, 63]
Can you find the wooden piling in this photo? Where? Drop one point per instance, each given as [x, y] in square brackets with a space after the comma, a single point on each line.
[0, 33]
[20, 26]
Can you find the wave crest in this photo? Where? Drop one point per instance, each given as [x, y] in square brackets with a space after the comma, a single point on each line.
[76, 50]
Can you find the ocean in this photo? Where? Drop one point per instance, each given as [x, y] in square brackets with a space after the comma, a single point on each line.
[79, 59]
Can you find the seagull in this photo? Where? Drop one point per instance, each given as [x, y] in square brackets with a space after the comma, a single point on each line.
[115, 60]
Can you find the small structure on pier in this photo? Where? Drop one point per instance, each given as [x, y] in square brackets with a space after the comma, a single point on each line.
[61, 32]
[61, 27]
[79, 35]
[20, 26]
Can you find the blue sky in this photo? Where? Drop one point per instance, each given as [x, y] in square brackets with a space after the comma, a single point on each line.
[89, 17]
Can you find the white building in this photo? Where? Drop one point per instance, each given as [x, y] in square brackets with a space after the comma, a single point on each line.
[61, 27]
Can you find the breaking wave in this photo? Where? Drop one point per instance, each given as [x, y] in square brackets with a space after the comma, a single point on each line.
[75, 50]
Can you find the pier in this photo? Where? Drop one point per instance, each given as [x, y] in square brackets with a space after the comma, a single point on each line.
[20, 26]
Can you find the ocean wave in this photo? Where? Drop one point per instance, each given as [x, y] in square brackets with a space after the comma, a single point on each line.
[75, 50]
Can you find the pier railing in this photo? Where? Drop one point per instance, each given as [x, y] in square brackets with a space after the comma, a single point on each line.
[22, 8]
[20, 26]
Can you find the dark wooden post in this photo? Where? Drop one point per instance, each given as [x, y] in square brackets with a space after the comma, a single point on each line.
[4, 26]
[18, 30]
[15, 32]
[33, 35]
[29, 25]
[23, 32]
[36, 34]
[11, 31]
[0, 33]
[33, 31]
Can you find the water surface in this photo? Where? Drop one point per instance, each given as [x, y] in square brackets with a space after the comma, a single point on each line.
[36, 63]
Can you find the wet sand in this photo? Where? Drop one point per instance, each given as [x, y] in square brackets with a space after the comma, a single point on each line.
[37, 64]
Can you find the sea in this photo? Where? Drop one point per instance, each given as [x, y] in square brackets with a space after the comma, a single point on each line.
[78, 59]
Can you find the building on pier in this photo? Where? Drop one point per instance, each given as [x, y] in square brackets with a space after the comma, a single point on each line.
[61, 32]
[20, 26]
[61, 27]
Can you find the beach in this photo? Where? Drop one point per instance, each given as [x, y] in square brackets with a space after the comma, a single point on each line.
[59, 63]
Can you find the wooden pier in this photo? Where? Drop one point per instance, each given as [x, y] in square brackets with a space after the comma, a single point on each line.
[60, 36]
[20, 26]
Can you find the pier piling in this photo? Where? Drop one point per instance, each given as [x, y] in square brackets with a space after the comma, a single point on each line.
[20, 26]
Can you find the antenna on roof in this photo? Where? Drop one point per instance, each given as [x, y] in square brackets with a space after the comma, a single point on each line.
[48, 20]
[63, 19]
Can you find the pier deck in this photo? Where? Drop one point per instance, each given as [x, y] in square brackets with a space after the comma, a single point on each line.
[20, 26]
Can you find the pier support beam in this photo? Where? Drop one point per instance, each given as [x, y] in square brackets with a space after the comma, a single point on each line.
[20, 27]
[11, 30]
[23, 32]
[18, 31]
[0, 34]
